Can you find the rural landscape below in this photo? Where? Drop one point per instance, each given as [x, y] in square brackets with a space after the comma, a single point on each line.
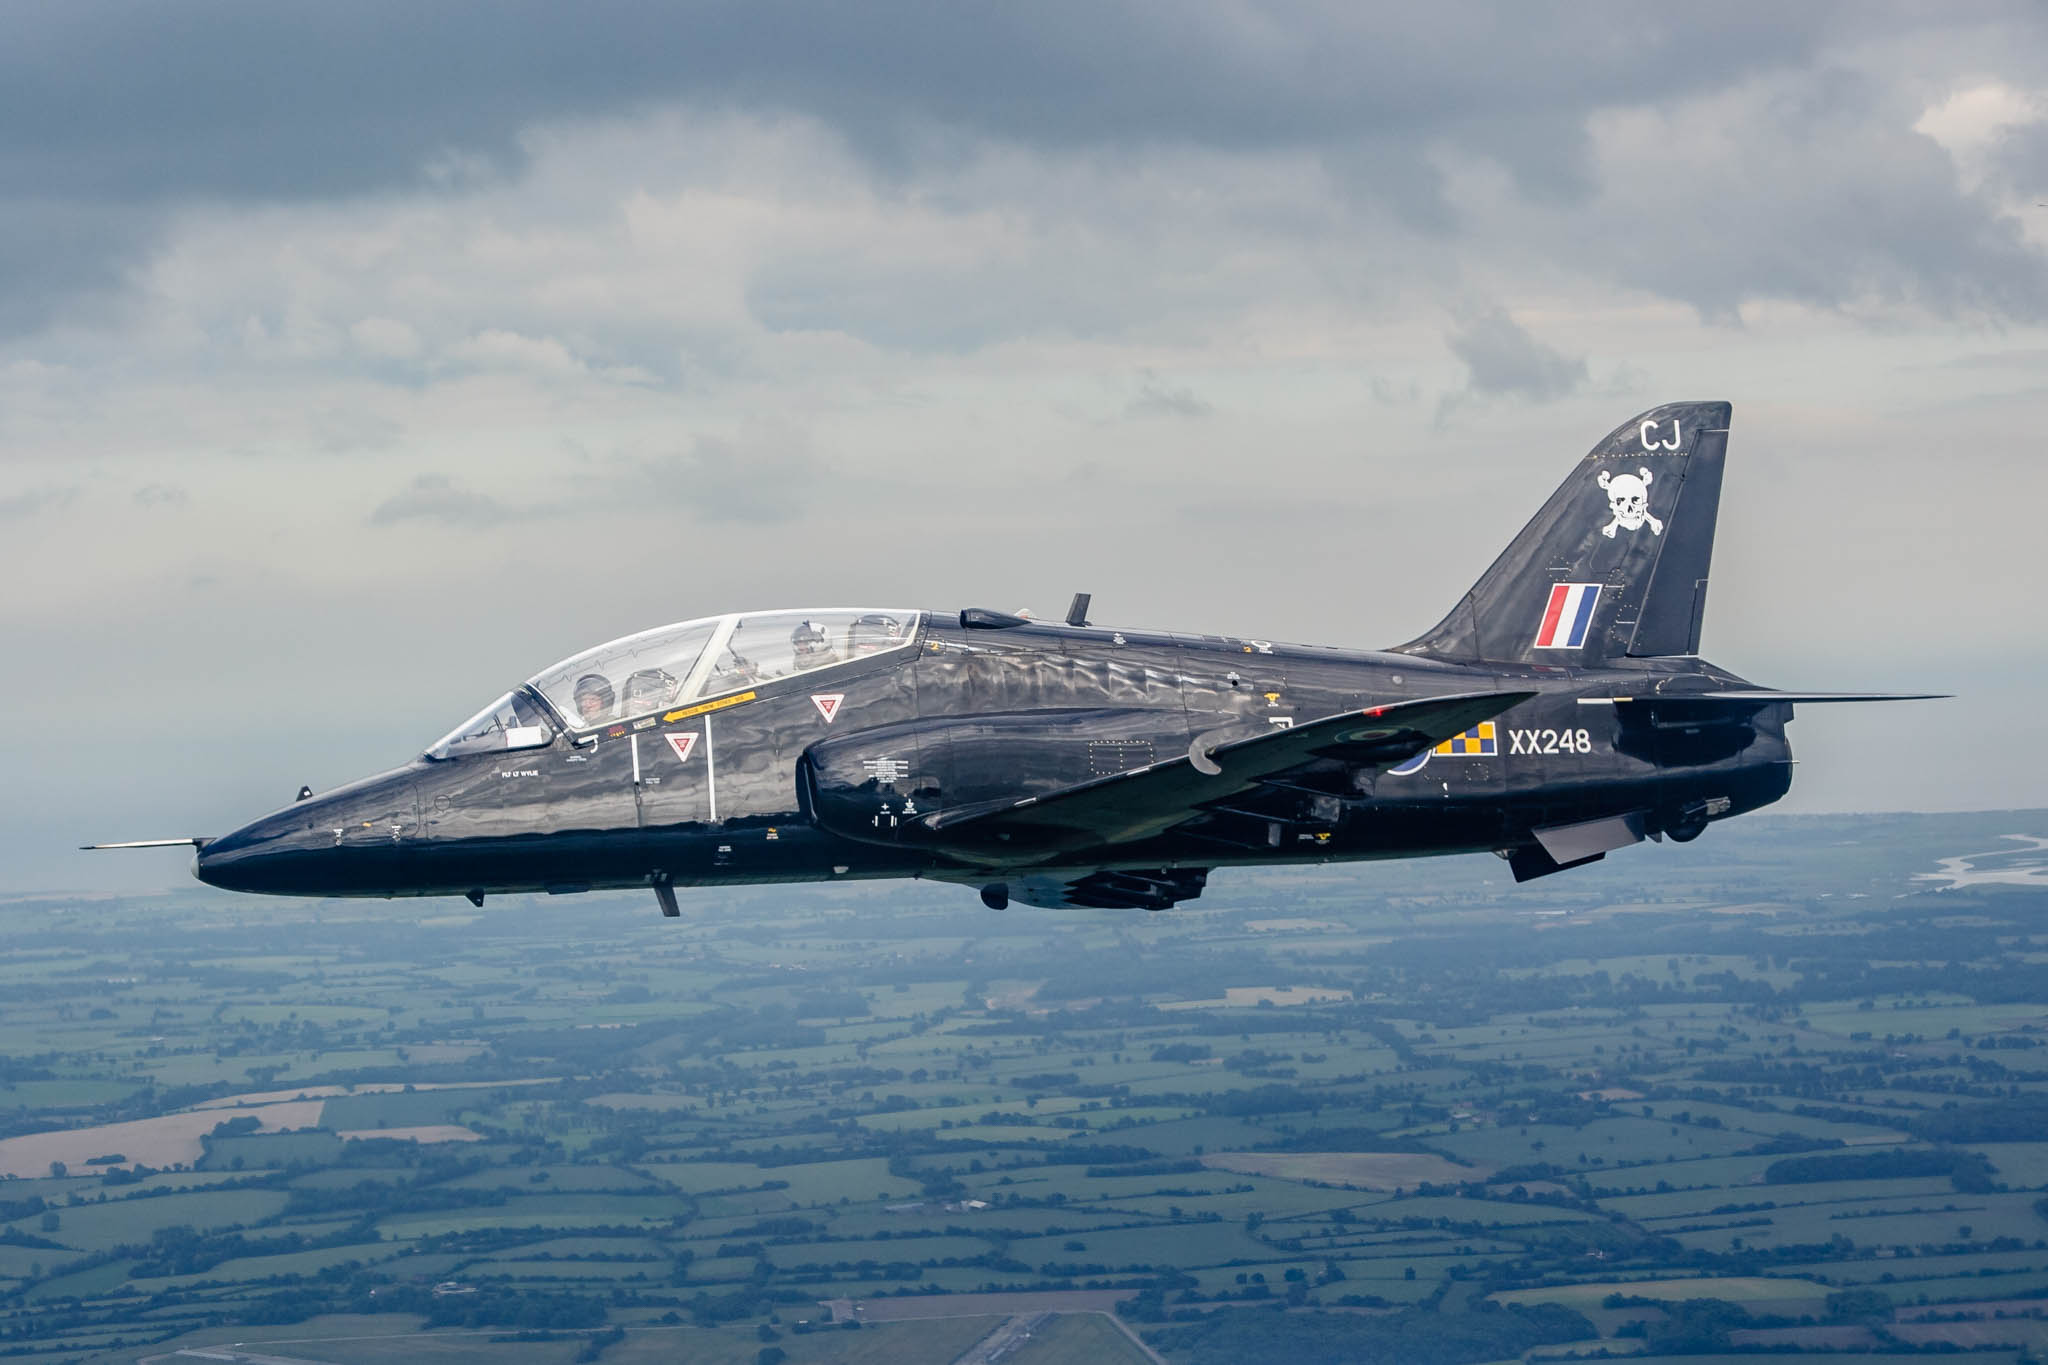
[1784, 1090]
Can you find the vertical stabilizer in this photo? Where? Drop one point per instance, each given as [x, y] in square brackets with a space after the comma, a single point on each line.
[1616, 562]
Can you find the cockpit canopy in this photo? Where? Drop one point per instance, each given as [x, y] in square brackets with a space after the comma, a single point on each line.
[513, 721]
[671, 666]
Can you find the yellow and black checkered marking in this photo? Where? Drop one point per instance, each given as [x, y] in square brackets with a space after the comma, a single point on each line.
[1481, 739]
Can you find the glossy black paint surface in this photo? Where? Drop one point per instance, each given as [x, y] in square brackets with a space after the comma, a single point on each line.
[876, 767]
[966, 721]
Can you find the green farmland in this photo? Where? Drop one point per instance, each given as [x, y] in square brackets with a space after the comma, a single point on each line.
[1775, 1091]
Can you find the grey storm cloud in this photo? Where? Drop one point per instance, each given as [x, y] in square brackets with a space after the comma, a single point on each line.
[53, 250]
[1158, 398]
[20, 506]
[237, 97]
[2021, 161]
[1504, 360]
[1817, 189]
[110, 112]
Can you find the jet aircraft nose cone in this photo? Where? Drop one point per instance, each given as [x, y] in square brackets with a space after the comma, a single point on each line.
[249, 859]
[344, 843]
[216, 869]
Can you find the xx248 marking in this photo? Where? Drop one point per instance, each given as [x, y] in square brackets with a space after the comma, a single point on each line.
[1549, 742]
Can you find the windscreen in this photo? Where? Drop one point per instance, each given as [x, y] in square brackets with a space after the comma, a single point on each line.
[513, 721]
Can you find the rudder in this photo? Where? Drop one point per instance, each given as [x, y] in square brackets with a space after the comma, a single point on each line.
[1616, 562]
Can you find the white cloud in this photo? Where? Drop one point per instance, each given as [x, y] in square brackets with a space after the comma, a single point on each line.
[386, 338]
[1970, 119]
[499, 349]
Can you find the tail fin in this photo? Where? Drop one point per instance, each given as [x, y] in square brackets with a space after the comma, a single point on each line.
[1616, 562]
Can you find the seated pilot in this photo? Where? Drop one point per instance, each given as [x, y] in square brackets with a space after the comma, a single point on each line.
[593, 699]
[648, 689]
[872, 634]
[809, 648]
[734, 670]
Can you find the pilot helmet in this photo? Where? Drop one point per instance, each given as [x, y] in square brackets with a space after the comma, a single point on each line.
[875, 632]
[594, 685]
[648, 688]
[807, 642]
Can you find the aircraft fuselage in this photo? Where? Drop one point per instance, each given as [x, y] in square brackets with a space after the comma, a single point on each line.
[835, 774]
[1559, 711]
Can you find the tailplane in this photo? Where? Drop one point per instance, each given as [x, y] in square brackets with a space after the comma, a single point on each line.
[1616, 562]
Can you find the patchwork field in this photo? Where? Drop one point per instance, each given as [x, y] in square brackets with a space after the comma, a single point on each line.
[1353, 1170]
[1466, 1125]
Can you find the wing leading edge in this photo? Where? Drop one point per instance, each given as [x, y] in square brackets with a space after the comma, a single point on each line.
[1143, 802]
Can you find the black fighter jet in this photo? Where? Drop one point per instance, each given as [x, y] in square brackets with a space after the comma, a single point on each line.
[1560, 711]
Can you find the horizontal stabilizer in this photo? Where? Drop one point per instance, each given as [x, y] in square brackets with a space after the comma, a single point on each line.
[1764, 696]
[1143, 802]
[191, 840]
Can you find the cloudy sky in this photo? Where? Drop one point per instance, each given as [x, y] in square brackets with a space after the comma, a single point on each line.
[357, 361]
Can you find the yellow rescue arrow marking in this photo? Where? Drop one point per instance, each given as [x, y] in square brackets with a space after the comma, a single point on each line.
[702, 707]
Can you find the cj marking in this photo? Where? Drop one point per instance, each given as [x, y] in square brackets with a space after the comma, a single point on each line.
[1650, 426]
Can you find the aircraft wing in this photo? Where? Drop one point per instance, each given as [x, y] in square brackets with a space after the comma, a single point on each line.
[1146, 801]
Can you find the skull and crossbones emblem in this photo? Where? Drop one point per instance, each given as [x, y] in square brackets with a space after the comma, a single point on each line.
[1628, 499]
